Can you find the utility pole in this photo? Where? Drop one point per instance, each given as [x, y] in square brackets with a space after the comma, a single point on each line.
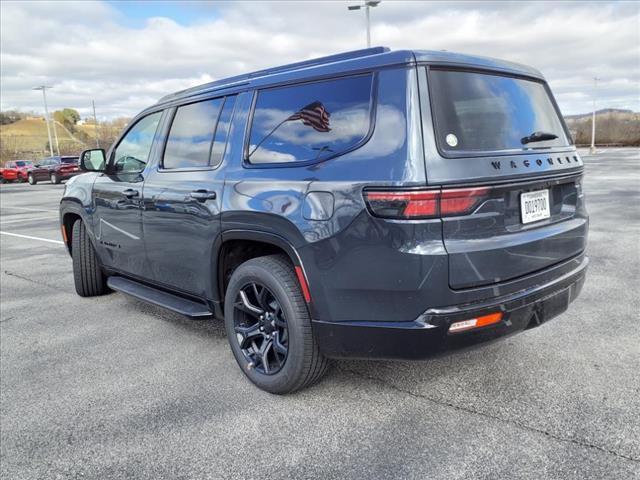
[368, 4]
[46, 114]
[592, 150]
[55, 134]
[95, 122]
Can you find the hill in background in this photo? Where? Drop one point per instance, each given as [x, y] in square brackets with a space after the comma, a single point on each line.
[613, 126]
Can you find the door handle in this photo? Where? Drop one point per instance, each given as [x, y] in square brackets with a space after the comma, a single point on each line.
[130, 193]
[203, 195]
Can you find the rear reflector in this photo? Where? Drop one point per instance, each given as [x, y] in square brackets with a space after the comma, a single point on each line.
[303, 284]
[477, 322]
[64, 234]
[420, 204]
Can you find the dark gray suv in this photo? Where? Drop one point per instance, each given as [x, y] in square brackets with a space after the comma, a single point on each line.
[370, 204]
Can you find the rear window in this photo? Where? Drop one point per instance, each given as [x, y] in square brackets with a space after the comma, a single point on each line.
[486, 112]
[69, 160]
[311, 121]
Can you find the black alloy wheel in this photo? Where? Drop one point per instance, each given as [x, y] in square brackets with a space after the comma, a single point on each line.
[268, 326]
[261, 328]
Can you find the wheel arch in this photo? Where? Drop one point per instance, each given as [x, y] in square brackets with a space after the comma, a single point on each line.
[70, 212]
[238, 246]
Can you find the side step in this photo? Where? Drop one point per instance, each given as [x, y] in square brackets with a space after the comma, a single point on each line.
[163, 299]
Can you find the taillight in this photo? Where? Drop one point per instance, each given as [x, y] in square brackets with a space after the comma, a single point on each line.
[420, 204]
[460, 201]
[407, 204]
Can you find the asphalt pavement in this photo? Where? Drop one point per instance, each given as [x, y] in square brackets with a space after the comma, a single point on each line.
[110, 387]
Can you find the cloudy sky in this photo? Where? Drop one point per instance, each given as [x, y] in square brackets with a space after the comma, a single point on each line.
[126, 55]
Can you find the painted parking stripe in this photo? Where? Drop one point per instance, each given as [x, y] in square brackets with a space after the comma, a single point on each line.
[28, 209]
[29, 237]
[19, 220]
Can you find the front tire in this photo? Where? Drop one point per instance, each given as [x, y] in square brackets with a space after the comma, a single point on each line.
[88, 277]
[31, 179]
[269, 328]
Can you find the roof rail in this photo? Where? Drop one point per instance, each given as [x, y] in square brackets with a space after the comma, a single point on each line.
[244, 78]
[365, 52]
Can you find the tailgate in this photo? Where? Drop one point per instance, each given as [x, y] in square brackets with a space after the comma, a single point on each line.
[492, 244]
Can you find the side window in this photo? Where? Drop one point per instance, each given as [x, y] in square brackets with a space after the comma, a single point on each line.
[191, 134]
[222, 130]
[132, 153]
[311, 121]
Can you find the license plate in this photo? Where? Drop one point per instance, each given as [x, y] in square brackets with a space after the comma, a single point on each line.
[534, 206]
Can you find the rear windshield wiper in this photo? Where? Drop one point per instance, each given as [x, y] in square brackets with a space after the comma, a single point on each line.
[538, 137]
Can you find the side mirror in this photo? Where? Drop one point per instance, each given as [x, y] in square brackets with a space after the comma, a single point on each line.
[93, 160]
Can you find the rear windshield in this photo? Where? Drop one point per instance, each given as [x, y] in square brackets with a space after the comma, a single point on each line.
[22, 163]
[485, 112]
[69, 160]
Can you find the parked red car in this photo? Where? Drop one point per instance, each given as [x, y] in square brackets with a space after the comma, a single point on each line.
[53, 169]
[15, 171]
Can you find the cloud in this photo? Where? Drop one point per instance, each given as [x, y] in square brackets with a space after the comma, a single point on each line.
[89, 50]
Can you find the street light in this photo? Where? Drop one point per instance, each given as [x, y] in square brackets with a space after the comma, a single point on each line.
[46, 117]
[367, 6]
[592, 150]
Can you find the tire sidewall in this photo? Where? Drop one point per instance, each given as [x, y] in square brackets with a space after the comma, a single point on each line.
[31, 180]
[291, 371]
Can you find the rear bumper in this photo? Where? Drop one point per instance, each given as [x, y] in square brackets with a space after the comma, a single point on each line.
[428, 335]
[66, 175]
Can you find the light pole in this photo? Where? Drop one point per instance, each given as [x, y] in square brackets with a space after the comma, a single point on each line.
[95, 122]
[592, 150]
[46, 114]
[367, 6]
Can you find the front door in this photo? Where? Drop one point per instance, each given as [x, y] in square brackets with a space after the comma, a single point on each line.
[183, 195]
[117, 199]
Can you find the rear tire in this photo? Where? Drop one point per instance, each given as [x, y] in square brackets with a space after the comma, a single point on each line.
[31, 180]
[303, 364]
[87, 274]
[55, 178]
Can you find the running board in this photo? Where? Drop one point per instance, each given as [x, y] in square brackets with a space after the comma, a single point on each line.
[163, 299]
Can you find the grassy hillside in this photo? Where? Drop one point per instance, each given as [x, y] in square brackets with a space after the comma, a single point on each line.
[612, 127]
[30, 137]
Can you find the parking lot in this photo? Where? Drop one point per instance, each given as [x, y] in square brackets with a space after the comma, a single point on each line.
[110, 387]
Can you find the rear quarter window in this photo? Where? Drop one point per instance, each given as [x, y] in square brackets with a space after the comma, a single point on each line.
[310, 122]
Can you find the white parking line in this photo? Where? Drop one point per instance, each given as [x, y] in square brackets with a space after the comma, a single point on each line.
[18, 220]
[59, 242]
[29, 209]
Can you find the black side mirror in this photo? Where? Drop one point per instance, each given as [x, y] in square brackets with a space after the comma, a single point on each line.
[93, 160]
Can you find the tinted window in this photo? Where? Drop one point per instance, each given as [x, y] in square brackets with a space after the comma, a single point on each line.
[477, 111]
[69, 160]
[222, 130]
[132, 154]
[22, 163]
[192, 131]
[310, 121]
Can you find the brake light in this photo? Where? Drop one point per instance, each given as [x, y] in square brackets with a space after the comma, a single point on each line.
[420, 204]
[407, 204]
[460, 201]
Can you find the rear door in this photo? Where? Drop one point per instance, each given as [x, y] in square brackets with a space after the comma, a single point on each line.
[183, 194]
[511, 201]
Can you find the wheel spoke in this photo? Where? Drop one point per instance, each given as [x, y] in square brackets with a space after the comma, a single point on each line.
[248, 334]
[264, 352]
[246, 305]
[278, 346]
[261, 297]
